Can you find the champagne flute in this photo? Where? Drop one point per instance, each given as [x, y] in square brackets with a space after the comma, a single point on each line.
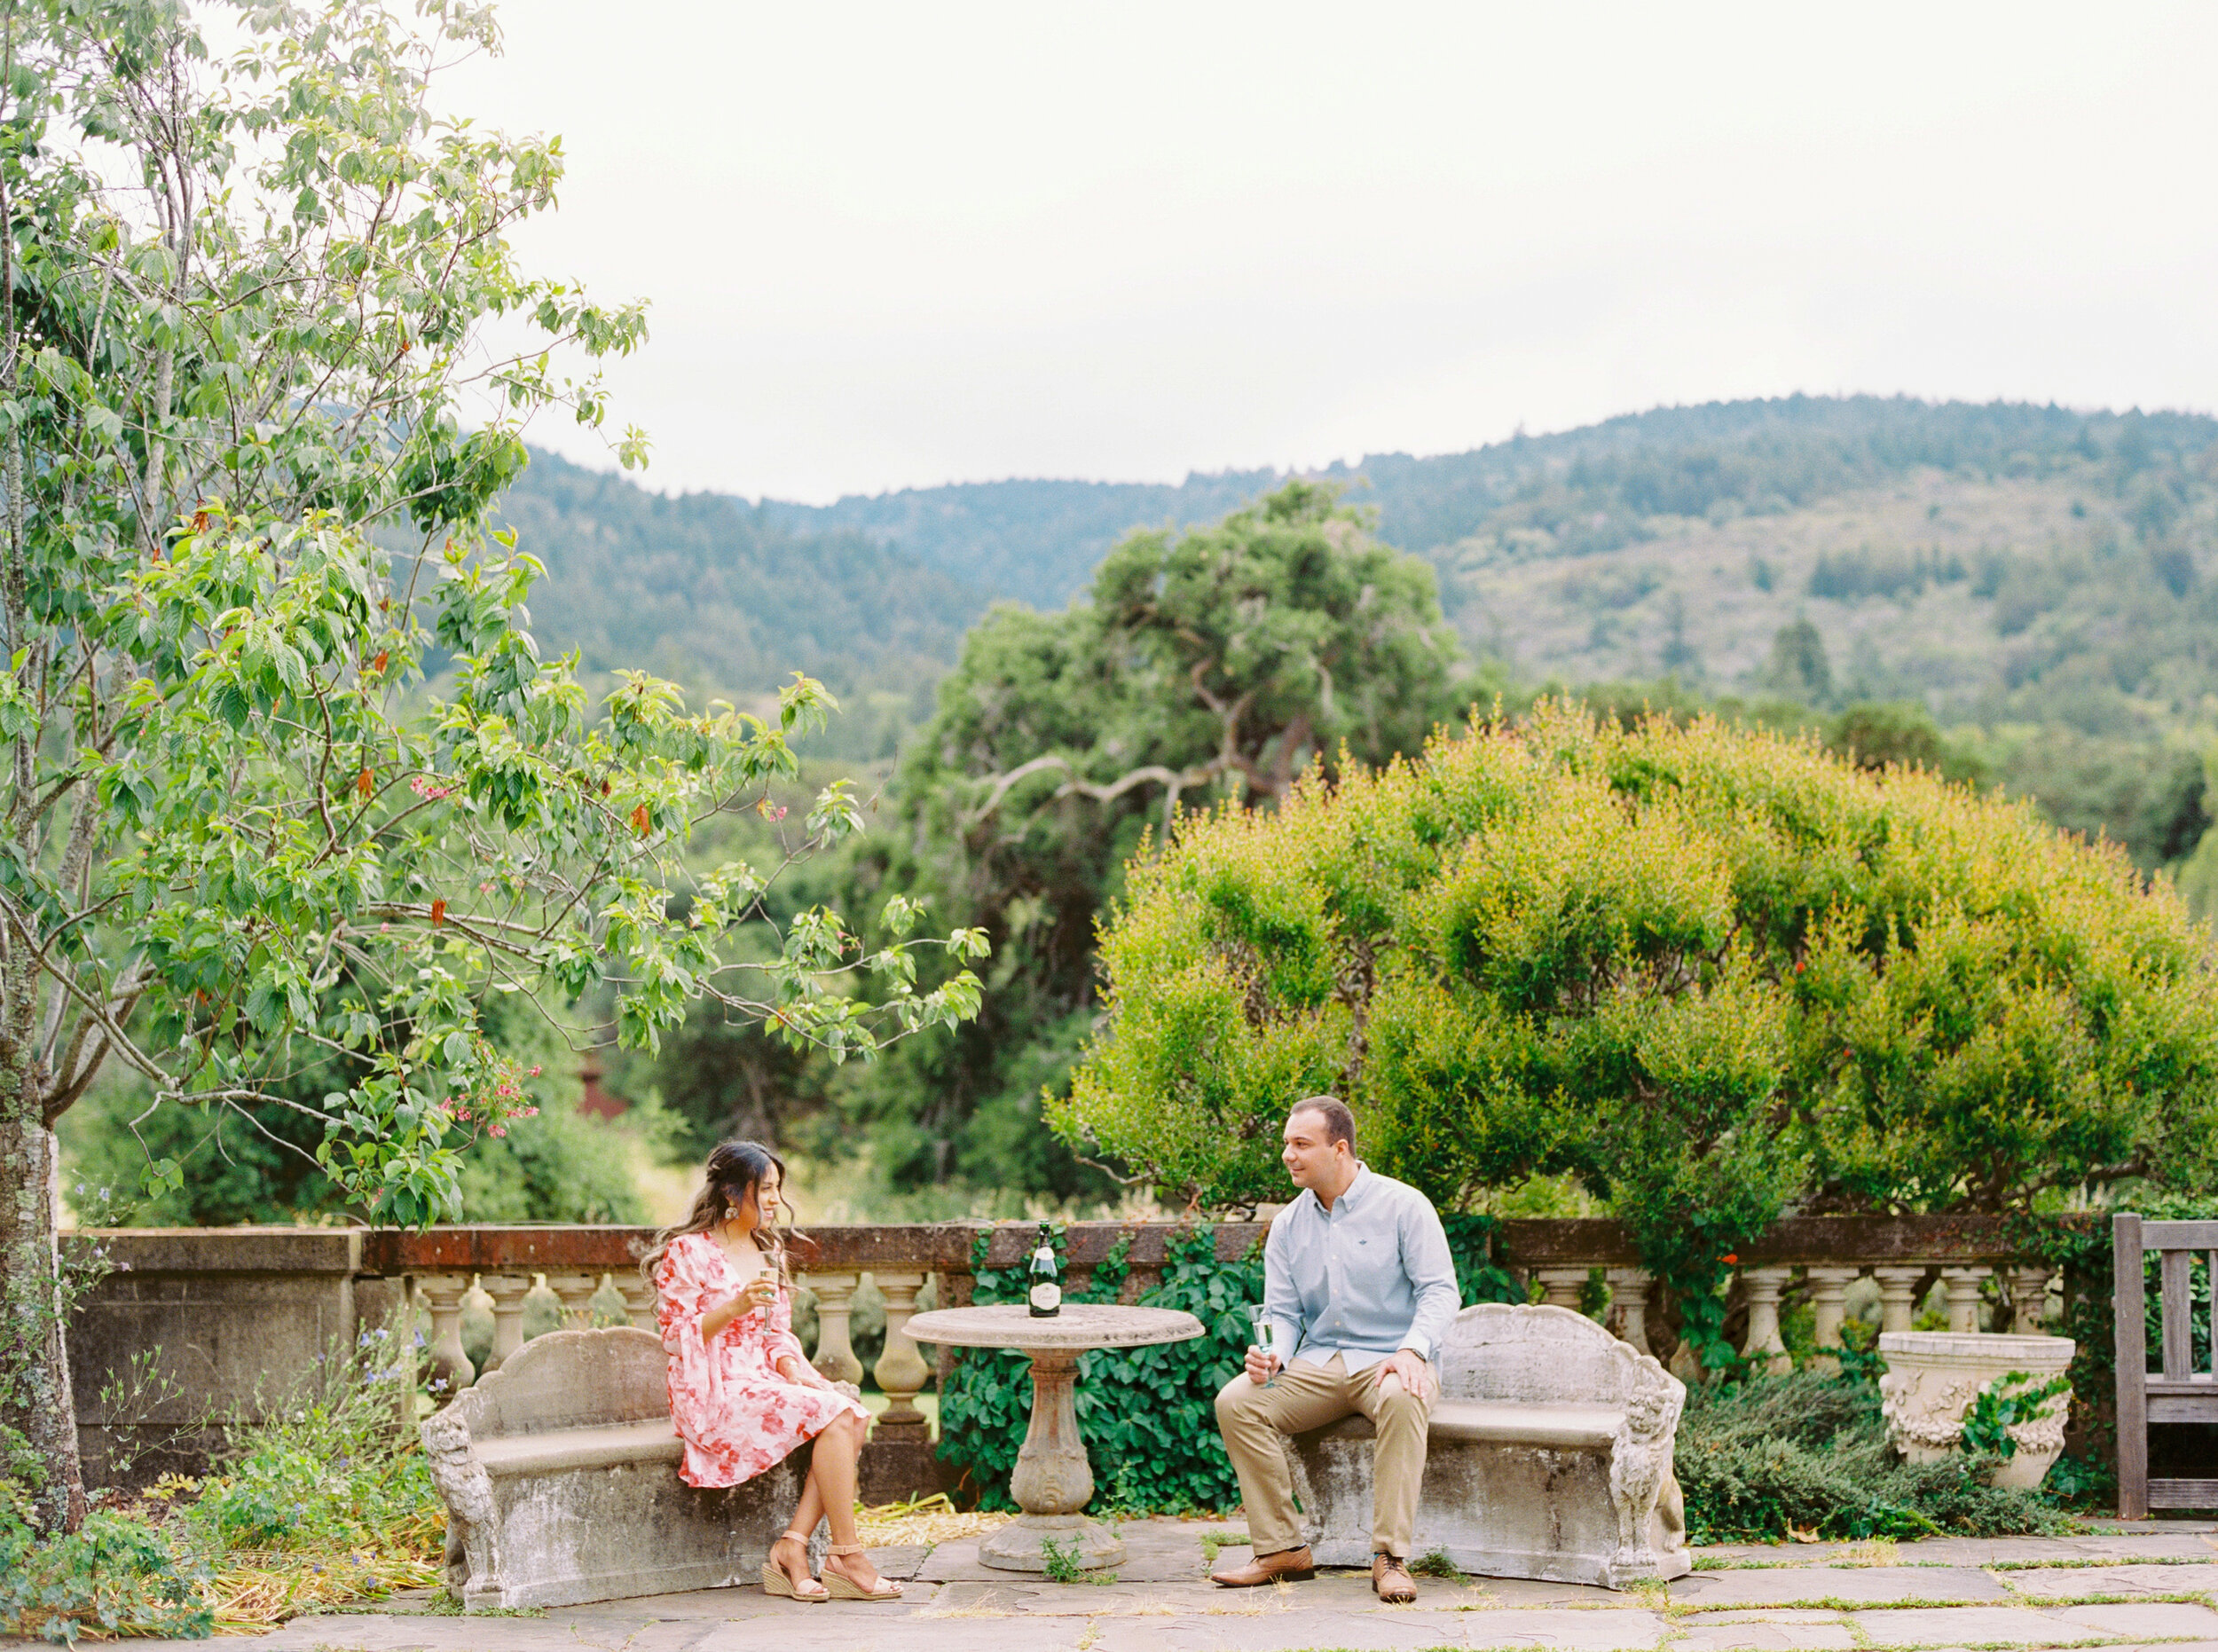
[1266, 1333]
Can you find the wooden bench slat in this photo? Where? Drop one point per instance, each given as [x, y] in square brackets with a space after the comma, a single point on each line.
[2179, 1235]
[2179, 1315]
[2183, 1494]
[2184, 1408]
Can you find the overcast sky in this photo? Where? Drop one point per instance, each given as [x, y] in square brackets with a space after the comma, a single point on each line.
[914, 244]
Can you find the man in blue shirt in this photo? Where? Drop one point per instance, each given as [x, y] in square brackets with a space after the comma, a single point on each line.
[1360, 1289]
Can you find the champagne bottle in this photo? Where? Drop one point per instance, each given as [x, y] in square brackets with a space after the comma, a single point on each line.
[1047, 1285]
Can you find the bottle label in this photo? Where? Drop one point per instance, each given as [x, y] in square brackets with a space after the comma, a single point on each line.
[1047, 1298]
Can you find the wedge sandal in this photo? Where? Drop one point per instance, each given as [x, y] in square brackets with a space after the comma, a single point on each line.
[844, 1588]
[774, 1580]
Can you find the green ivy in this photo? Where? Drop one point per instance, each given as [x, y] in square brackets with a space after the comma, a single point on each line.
[1147, 1414]
[1476, 1243]
[2010, 1399]
[1150, 1414]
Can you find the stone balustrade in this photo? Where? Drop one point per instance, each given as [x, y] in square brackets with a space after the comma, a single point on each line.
[1573, 1265]
[202, 1295]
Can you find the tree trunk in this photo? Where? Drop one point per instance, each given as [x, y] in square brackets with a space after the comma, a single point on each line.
[35, 1398]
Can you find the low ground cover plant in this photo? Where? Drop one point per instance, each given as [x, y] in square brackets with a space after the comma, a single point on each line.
[1805, 1456]
[324, 1498]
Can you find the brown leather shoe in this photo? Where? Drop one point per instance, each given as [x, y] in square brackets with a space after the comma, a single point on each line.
[1287, 1565]
[1390, 1580]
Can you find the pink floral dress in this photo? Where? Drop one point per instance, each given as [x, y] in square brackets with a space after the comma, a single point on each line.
[734, 1412]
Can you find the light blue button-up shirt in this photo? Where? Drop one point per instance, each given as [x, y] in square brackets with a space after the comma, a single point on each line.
[1368, 1276]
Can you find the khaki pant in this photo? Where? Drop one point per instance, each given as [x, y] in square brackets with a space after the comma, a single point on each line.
[1255, 1421]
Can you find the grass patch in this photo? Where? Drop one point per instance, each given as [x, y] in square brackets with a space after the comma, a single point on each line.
[1214, 1541]
[1436, 1564]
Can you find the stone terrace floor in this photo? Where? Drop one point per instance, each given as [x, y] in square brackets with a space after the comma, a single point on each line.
[2148, 1585]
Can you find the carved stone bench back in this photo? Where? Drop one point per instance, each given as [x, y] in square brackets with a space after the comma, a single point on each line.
[570, 1380]
[1540, 1354]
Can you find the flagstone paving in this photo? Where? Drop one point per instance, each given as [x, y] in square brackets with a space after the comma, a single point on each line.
[2119, 1589]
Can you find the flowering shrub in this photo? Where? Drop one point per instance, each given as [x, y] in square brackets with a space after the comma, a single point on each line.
[1707, 971]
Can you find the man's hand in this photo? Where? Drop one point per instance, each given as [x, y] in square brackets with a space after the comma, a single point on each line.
[1261, 1366]
[1416, 1375]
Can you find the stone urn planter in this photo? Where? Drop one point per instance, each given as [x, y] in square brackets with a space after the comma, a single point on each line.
[1934, 1376]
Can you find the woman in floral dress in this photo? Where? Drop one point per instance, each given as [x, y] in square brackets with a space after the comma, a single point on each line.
[741, 1391]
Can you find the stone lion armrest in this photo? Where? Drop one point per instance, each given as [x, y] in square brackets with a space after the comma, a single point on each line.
[1549, 1456]
[559, 1471]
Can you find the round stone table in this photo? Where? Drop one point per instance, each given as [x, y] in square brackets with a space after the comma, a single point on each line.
[1052, 1481]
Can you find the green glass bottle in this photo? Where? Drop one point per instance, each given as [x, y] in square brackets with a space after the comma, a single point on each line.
[1046, 1295]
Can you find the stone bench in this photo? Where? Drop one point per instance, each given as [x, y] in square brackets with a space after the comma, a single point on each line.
[1549, 1457]
[560, 1474]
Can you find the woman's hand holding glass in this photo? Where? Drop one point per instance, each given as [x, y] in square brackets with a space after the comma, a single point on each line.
[759, 1292]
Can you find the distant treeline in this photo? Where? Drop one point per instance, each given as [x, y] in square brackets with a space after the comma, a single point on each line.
[2100, 624]
[1588, 490]
[702, 589]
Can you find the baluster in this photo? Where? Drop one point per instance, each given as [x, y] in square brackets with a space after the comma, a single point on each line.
[477, 1302]
[1764, 1344]
[900, 1370]
[606, 1307]
[639, 1299]
[835, 1297]
[1898, 1296]
[1629, 1306]
[449, 1366]
[1560, 1288]
[1962, 1287]
[542, 1309]
[506, 1290]
[575, 1292]
[1828, 1295]
[2029, 1300]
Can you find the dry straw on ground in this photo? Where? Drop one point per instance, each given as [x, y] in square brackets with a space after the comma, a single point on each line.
[923, 1521]
[253, 1593]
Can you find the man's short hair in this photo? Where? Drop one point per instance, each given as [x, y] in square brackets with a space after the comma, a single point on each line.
[1339, 1124]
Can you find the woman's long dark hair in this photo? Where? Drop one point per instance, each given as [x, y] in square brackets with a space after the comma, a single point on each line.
[735, 1170]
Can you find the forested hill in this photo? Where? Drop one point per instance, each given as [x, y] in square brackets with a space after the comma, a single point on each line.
[2003, 563]
[702, 589]
[1035, 541]
[2007, 564]
[1590, 489]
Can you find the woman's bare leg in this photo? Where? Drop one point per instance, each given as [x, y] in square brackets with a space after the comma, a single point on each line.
[832, 1474]
[790, 1555]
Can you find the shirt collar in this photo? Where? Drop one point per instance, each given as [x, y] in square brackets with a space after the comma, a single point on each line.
[1348, 1199]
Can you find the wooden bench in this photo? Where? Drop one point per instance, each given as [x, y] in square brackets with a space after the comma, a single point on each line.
[1550, 1456]
[2177, 1392]
[560, 1474]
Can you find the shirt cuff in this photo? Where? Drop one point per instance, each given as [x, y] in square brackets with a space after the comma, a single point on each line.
[1418, 1345]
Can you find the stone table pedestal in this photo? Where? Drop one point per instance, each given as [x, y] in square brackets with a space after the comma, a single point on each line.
[1052, 1481]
